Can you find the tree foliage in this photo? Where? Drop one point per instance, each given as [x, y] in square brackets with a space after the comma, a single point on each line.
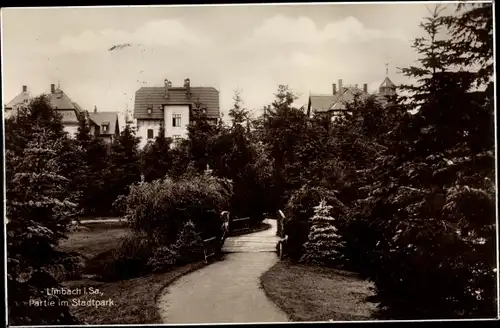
[39, 210]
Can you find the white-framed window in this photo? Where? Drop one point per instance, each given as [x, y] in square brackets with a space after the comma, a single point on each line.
[150, 134]
[176, 120]
[176, 139]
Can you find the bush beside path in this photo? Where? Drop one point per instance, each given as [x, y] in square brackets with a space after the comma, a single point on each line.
[134, 299]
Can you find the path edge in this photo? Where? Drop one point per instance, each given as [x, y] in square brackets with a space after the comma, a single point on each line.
[277, 304]
[191, 268]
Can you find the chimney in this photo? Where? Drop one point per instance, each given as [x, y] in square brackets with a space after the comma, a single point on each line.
[365, 87]
[25, 88]
[187, 85]
[340, 86]
[52, 88]
[95, 109]
[167, 85]
[334, 87]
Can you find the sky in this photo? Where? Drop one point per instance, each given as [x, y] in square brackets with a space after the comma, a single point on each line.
[251, 48]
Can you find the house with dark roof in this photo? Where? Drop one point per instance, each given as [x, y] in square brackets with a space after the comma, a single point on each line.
[335, 103]
[103, 124]
[171, 107]
[20, 101]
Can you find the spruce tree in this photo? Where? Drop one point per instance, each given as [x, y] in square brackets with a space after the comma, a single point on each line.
[123, 166]
[94, 153]
[433, 243]
[156, 160]
[39, 210]
[324, 242]
[189, 245]
[201, 135]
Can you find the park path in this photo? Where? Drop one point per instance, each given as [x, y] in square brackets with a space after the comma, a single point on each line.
[228, 291]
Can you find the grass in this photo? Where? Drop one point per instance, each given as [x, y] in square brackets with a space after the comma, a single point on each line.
[310, 293]
[93, 239]
[134, 299]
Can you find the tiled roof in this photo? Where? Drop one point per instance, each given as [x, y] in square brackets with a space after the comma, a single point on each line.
[19, 99]
[59, 100]
[387, 83]
[324, 103]
[155, 97]
[321, 102]
[65, 106]
[101, 118]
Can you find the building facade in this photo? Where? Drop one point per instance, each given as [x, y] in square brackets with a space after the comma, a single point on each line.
[171, 107]
[103, 125]
[336, 103]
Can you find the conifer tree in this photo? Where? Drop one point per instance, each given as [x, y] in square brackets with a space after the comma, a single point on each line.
[432, 244]
[201, 135]
[156, 159]
[39, 210]
[123, 167]
[323, 246]
[93, 157]
[189, 245]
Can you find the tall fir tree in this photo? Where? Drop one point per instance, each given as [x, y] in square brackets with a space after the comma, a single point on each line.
[426, 184]
[92, 169]
[39, 210]
[201, 134]
[156, 159]
[123, 167]
[282, 128]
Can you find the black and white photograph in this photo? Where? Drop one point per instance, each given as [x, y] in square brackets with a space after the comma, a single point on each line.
[250, 163]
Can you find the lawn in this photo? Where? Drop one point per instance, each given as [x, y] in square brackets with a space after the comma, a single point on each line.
[96, 238]
[134, 299]
[310, 293]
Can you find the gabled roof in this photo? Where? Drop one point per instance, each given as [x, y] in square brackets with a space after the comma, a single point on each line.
[387, 83]
[59, 100]
[19, 99]
[101, 118]
[155, 97]
[324, 103]
[69, 109]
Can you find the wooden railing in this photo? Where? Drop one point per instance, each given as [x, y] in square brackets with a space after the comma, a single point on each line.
[282, 242]
[240, 224]
[281, 247]
[211, 246]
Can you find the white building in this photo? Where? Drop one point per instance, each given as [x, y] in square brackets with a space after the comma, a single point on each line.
[102, 124]
[171, 107]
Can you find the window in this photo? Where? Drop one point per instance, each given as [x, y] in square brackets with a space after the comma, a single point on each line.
[176, 120]
[150, 134]
[104, 128]
[177, 139]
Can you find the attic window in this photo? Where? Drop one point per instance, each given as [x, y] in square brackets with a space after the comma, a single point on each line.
[104, 127]
[150, 109]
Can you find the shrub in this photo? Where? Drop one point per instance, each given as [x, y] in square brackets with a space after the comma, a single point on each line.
[162, 207]
[299, 209]
[130, 259]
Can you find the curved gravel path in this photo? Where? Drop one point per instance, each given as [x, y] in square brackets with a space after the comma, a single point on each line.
[228, 291]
